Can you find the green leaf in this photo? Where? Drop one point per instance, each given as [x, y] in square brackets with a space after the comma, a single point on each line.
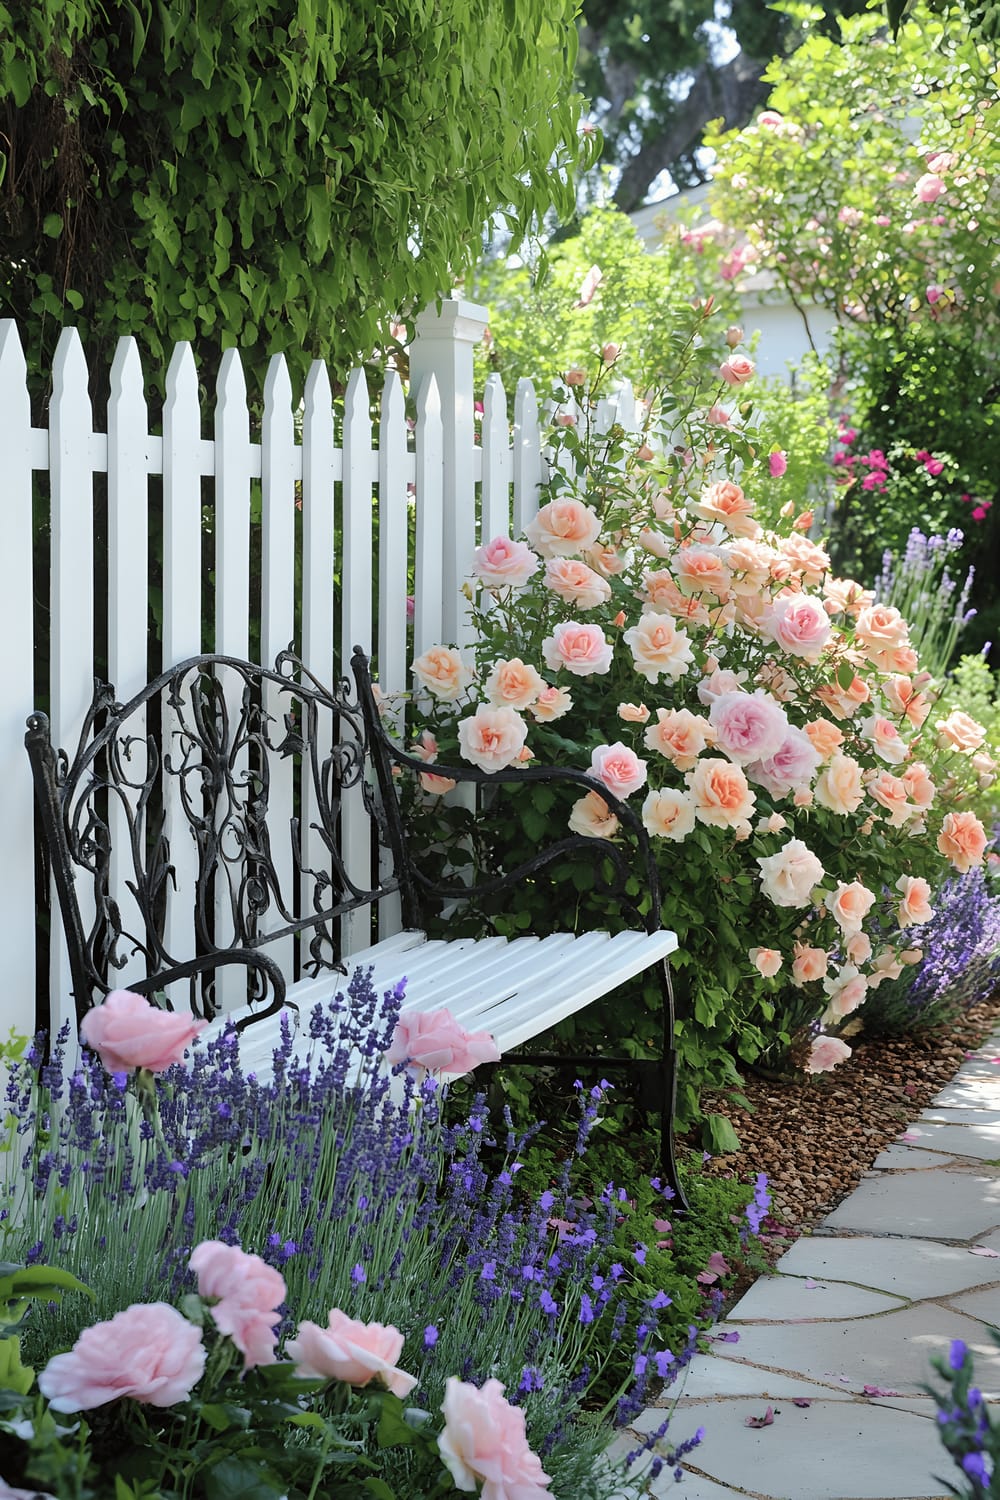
[52, 226]
[719, 1136]
[13, 1375]
[845, 675]
[379, 1489]
[46, 1282]
[235, 1478]
[393, 1431]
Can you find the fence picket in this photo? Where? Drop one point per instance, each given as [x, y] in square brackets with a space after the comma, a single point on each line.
[356, 623]
[128, 502]
[17, 696]
[495, 507]
[526, 456]
[428, 626]
[393, 528]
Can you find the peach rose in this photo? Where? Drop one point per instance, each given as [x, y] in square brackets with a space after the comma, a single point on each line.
[843, 702]
[904, 700]
[797, 623]
[580, 649]
[809, 560]
[880, 630]
[513, 683]
[563, 528]
[749, 563]
[845, 992]
[859, 948]
[592, 817]
[960, 732]
[668, 814]
[890, 792]
[844, 596]
[679, 735]
[914, 905]
[849, 904]
[774, 823]
[826, 1053]
[767, 961]
[551, 703]
[826, 738]
[128, 1032]
[436, 785]
[737, 369]
[442, 672]
[619, 768]
[633, 713]
[719, 680]
[789, 877]
[726, 503]
[661, 593]
[659, 647]
[885, 965]
[702, 570]
[502, 563]
[962, 840]
[573, 581]
[919, 787]
[883, 736]
[605, 560]
[720, 793]
[492, 738]
[776, 681]
[354, 1352]
[809, 964]
[748, 726]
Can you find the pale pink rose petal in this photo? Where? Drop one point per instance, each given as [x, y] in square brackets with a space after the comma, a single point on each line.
[433, 1040]
[127, 1032]
[485, 1438]
[354, 1352]
[149, 1352]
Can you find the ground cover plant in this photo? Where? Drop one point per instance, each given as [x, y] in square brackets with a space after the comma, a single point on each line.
[966, 1427]
[386, 1212]
[801, 792]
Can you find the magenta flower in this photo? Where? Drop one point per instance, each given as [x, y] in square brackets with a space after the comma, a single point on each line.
[777, 463]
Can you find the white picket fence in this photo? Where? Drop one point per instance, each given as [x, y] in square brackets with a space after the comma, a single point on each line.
[440, 466]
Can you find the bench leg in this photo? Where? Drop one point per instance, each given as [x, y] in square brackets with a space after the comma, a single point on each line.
[668, 1096]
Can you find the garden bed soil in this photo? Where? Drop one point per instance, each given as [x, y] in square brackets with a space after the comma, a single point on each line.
[816, 1137]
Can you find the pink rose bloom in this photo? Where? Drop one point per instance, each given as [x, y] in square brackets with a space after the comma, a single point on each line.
[513, 684]
[659, 647]
[919, 787]
[664, 596]
[798, 623]
[721, 794]
[492, 738]
[839, 787]
[504, 564]
[883, 736]
[668, 814]
[859, 948]
[845, 991]
[563, 528]
[808, 964]
[889, 791]
[248, 1295]
[588, 287]
[929, 187]
[702, 570]
[793, 764]
[552, 703]
[128, 1032]
[880, 628]
[619, 768]
[826, 1053]
[718, 682]
[777, 463]
[485, 1439]
[767, 961]
[354, 1352]
[769, 119]
[959, 731]
[789, 877]
[849, 904]
[605, 560]
[726, 503]
[905, 701]
[573, 581]
[843, 702]
[749, 563]
[914, 905]
[580, 649]
[962, 840]
[886, 965]
[592, 817]
[442, 672]
[149, 1352]
[737, 369]
[748, 726]
[434, 1041]
[426, 748]
[717, 416]
[826, 738]
[807, 558]
[680, 735]
[633, 713]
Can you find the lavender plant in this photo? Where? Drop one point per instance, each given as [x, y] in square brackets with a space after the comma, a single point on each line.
[375, 1206]
[966, 1427]
[921, 586]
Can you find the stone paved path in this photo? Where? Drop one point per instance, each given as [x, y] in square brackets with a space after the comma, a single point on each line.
[888, 1279]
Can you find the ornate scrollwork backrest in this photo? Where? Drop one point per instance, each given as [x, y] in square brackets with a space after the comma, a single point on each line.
[252, 770]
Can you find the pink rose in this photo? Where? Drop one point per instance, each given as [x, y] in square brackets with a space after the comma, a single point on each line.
[592, 817]
[702, 570]
[573, 581]
[883, 736]
[798, 623]
[789, 877]
[808, 964]
[959, 731]
[777, 463]
[792, 765]
[563, 528]
[427, 750]
[580, 649]
[929, 187]
[839, 787]
[633, 713]
[767, 961]
[552, 703]
[748, 726]
[849, 904]
[442, 672]
[668, 814]
[806, 558]
[492, 738]
[890, 792]
[513, 684]
[354, 1352]
[737, 369]
[128, 1032]
[881, 629]
[726, 503]
[619, 768]
[663, 595]
[826, 738]
[504, 564]
[962, 840]
[659, 647]
[919, 787]
[247, 1293]
[903, 698]
[914, 906]
[610, 352]
[859, 948]
[826, 1053]
[721, 795]
[718, 681]
[149, 1352]
[485, 1438]
[845, 992]
[434, 1041]
[680, 735]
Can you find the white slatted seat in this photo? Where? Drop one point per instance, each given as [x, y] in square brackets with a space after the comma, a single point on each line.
[262, 770]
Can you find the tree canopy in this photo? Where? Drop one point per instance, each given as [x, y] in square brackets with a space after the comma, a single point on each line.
[281, 174]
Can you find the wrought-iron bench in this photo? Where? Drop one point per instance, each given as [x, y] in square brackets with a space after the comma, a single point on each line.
[270, 801]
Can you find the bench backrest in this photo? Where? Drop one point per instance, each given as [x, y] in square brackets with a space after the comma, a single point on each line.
[207, 817]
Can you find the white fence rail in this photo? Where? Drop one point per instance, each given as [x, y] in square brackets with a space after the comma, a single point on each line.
[102, 498]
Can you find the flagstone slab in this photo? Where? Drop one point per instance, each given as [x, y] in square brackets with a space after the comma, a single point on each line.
[977, 1092]
[709, 1378]
[691, 1487]
[892, 1349]
[984, 1305]
[905, 1268]
[980, 1141]
[941, 1205]
[790, 1298]
[906, 1158]
[954, 1115]
[832, 1450]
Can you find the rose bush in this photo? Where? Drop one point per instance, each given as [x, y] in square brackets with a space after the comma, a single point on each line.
[772, 715]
